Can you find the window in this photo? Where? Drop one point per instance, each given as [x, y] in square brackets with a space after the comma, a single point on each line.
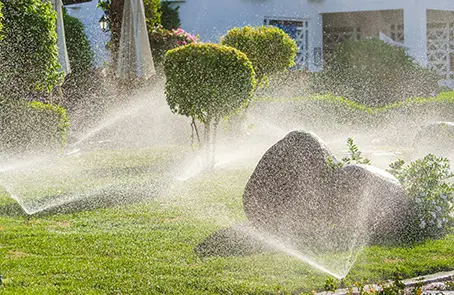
[298, 29]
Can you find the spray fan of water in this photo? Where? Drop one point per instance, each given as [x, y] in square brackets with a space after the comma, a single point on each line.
[139, 164]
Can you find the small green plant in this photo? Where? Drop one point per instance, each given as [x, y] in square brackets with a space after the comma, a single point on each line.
[330, 285]
[354, 157]
[449, 286]
[428, 184]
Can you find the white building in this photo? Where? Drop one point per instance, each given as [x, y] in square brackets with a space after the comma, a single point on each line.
[426, 27]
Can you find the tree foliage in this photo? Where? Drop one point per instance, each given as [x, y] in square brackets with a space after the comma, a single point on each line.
[80, 53]
[82, 82]
[269, 49]
[28, 51]
[1, 20]
[170, 17]
[207, 81]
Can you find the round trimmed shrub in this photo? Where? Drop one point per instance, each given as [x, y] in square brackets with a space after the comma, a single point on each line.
[374, 73]
[269, 48]
[28, 50]
[207, 81]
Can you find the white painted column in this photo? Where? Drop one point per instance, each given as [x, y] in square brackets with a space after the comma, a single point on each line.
[415, 31]
[315, 62]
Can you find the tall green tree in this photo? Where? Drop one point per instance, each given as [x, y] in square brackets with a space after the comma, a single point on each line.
[28, 50]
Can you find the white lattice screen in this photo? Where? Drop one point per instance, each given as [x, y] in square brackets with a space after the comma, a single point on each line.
[440, 48]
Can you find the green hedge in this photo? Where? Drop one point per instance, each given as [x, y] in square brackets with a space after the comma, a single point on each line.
[28, 51]
[337, 114]
[32, 126]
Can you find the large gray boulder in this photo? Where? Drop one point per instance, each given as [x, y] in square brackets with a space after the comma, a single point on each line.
[290, 184]
[370, 203]
[297, 191]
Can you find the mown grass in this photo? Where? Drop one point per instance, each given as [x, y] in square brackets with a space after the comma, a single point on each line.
[147, 247]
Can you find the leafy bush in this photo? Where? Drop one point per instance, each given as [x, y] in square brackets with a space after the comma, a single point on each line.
[170, 17]
[269, 49]
[374, 73]
[1, 20]
[207, 81]
[152, 12]
[83, 81]
[31, 125]
[162, 40]
[428, 183]
[79, 51]
[28, 51]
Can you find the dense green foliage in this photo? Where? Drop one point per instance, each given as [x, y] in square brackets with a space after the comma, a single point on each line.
[79, 51]
[28, 51]
[83, 81]
[207, 81]
[163, 40]
[269, 49]
[152, 12]
[170, 17]
[1, 20]
[375, 73]
[428, 183]
[31, 126]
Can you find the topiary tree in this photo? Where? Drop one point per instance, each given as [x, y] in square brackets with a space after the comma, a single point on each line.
[207, 82]
[28, 50]
[170, 17]
[269, 48]
[374, 73]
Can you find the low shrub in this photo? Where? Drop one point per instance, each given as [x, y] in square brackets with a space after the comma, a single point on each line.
[269, 48]
[31, 126]
[374, 73]
[428, 184]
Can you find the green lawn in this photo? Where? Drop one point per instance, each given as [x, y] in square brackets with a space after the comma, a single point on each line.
[147, 246]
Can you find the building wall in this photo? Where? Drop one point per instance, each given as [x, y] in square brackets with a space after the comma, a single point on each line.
[89, 15]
